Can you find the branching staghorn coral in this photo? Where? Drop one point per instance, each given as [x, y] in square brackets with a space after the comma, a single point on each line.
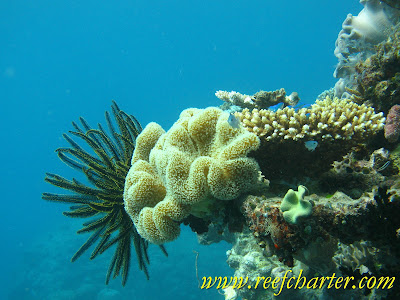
[101, 200]
[335, 125]
[200, 160]
[326, 120]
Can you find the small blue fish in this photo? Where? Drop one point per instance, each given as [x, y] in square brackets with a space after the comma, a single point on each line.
[277, 106]
[233, 121]
[311, 145]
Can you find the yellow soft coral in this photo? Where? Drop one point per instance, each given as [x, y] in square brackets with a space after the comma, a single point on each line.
[199, 160]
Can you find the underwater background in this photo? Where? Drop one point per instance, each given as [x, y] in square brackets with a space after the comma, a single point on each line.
[60, 60]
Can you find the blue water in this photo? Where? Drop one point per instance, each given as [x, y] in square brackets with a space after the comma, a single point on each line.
[63, 59]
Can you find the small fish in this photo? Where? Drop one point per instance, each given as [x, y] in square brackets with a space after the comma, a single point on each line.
[277, 106]
[311, 145]
[384, 166]
[233, 121]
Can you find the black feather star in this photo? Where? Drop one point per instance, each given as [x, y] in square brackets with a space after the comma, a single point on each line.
[101, 199]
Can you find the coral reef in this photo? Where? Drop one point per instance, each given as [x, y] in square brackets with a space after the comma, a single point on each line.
[358, 37]
[209, 170]
[355, 174]
[377, 77]
[319, 241]
[248, 259]
[392, 126]
[200, 160]
[336, 125]
[392, 3]
[362, 257]
[394, 157]
[220, 224]
[260, 100]
[344, 219]
[252, 263]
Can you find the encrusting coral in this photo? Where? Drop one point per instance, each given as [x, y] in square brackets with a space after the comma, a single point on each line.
[392, 126]
[200, 160]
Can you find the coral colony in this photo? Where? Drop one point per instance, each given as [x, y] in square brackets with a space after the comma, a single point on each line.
[314, 190]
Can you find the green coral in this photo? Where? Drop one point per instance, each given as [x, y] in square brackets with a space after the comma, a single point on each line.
[294, 206]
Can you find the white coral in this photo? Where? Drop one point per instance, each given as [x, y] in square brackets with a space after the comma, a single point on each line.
[235, 98]
[358, 37]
